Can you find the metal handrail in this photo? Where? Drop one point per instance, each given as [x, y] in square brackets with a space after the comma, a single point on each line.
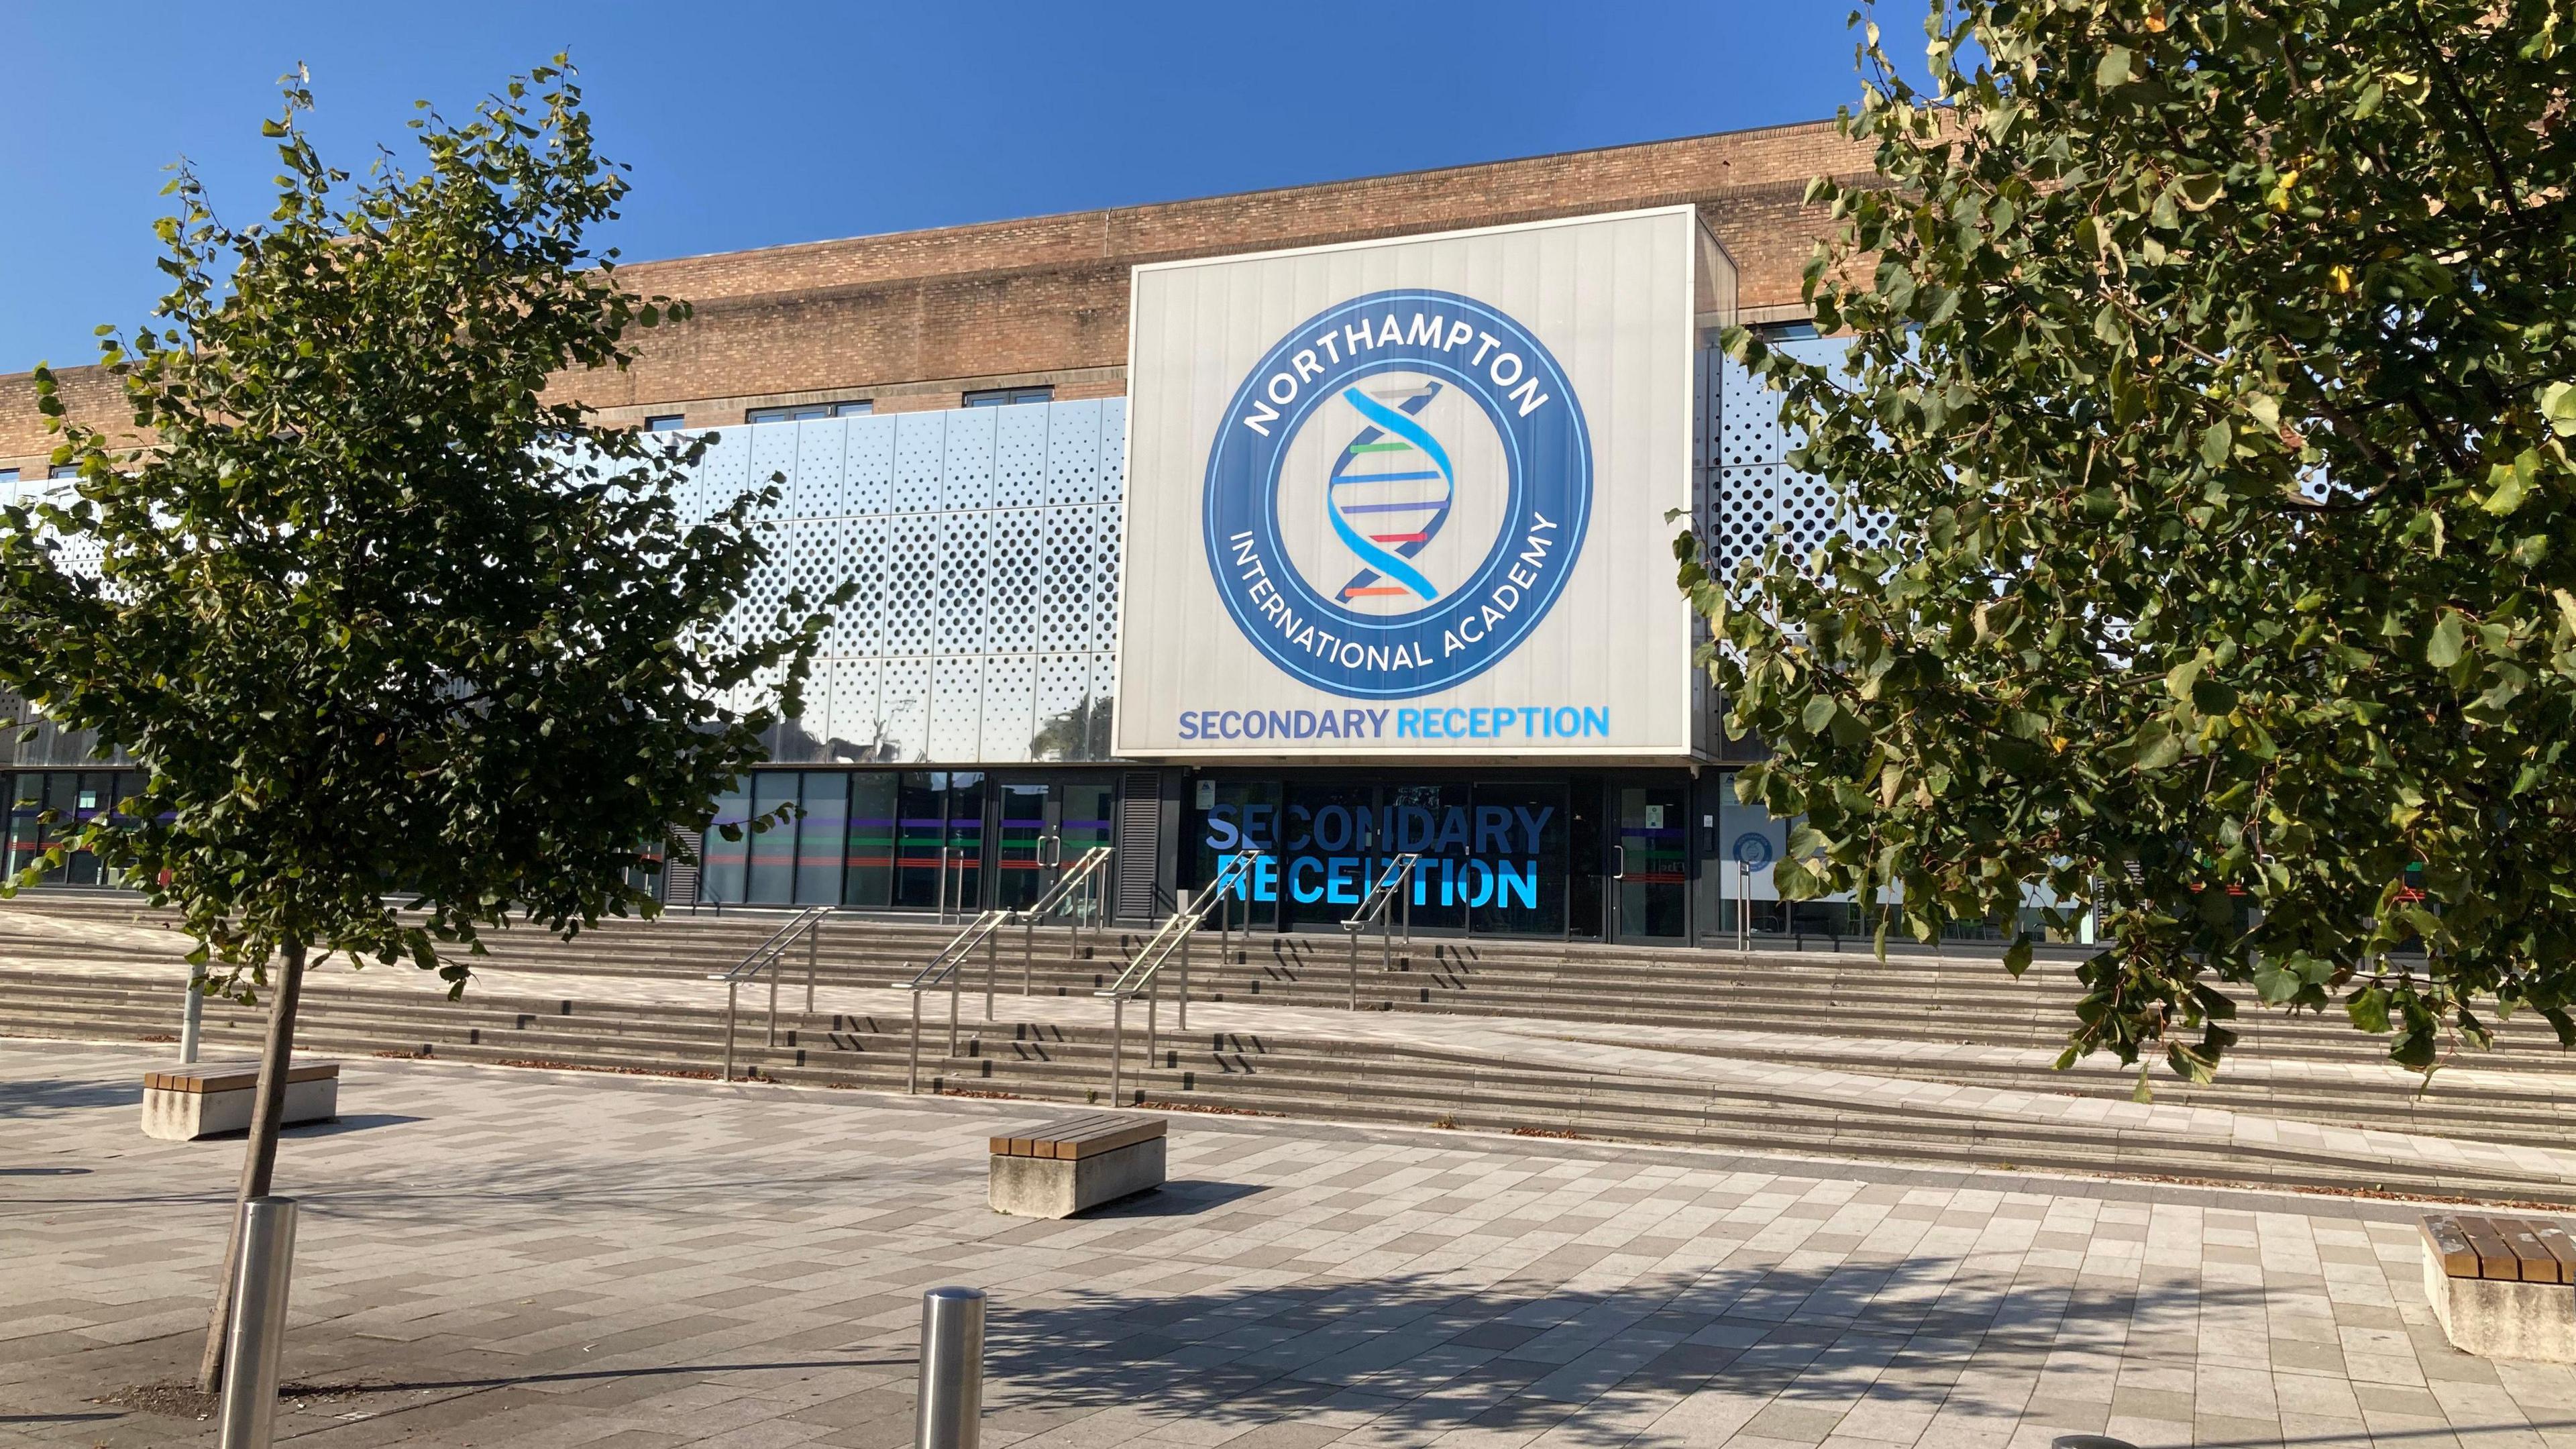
[1077, 895]
[1144, 975]
[986, 929]
[1382, 893]
[767, 956]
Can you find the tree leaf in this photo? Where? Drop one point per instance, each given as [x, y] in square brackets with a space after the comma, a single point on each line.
[2449, 641]
[2113, 71]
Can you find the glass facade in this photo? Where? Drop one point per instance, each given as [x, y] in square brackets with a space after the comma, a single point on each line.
[1498, 856]
[926, 840]
[49, 805]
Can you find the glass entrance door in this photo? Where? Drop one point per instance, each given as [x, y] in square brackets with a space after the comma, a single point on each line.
[1039, 828]
[1650, 864]
[939, 840]
[1023, 845]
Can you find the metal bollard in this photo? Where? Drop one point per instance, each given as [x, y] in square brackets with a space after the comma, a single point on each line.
[258, 1334]
[192, 1016]
[950, 1413]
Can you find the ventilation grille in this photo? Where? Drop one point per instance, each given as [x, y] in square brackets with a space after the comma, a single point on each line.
[1140, 843]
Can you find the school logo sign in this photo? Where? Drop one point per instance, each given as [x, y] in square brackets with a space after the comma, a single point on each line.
[1444, 450]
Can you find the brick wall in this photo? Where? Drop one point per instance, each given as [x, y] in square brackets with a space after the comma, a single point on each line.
[913, 319]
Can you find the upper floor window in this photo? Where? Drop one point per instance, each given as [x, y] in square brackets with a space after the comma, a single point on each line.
[665, 423]
[1785, 331]
[994, 397]
[64, 470]
[800, 412]
[8, 475]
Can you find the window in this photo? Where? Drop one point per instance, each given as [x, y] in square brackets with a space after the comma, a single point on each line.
[994, 397]
[799, 412]
[1785, 331]
[8, 475]
[63, 470]
[665, 423]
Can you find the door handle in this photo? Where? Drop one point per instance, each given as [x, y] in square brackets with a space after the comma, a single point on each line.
[1618, 862]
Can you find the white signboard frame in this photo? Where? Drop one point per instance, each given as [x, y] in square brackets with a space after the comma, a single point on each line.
[1412, 498]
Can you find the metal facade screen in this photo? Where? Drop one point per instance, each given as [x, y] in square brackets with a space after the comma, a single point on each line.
[1410, 498]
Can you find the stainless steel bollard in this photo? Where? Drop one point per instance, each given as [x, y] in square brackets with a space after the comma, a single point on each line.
[950, 1413]
[192, 1015]
[258, 1335]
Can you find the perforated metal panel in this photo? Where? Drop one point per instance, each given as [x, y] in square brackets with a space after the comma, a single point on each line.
[1748, 430]
[956, 708]
[912, 582]
[981, 544]
[1113, 450]
[773, 452]
[965, 564]
[1020, 455]
[722, 473]
[1104, 631]
[1073, 453]
[920, 445]
[904, 703]
[858, 626]
[1072, 583]
[1063, 707]
[846, 692]
[966, 476]
[867, 468]
[815, 488]
[1753, 494]
[1009, 719]
[1012, 576]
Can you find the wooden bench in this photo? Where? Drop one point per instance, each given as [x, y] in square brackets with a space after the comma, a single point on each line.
[2503, 1287]
[1068, 1166]
[182, 1104]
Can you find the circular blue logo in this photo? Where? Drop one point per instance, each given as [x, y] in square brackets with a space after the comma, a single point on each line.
[1397, 494]
[1753, 850]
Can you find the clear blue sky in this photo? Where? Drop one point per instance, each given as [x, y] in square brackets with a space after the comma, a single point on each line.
[750, 124]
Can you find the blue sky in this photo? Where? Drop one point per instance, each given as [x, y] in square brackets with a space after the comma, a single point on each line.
[751, 124]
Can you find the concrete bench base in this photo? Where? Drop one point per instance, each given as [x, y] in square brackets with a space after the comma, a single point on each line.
[184, 1104]
[2502, 1287]
[1042, 1187]
[2495, 1319]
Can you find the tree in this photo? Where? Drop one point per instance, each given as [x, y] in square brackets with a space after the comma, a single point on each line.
[2213, 363]
[404, 651]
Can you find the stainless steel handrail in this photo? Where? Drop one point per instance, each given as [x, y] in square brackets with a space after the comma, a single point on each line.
[1076, 895]
[1373, 907]
[984, 929]
[1144, 975]
[767, 956]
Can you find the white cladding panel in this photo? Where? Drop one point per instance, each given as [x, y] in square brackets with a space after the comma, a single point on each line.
[1522, 603]
[977, 542]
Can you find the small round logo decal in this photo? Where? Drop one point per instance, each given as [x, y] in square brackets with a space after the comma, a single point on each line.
[1397, 494]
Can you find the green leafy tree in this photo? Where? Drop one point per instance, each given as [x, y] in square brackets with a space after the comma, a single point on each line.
[2213, 363]
[404, 650]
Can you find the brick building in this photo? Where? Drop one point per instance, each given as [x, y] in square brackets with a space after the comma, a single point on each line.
[951, 410]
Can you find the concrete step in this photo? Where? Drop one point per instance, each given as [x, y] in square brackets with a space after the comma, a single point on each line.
[1348, 1080]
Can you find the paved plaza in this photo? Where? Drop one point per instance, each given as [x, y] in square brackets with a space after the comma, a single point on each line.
[493, 1256]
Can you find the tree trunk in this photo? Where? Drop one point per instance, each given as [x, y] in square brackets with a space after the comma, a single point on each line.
[259, 1156]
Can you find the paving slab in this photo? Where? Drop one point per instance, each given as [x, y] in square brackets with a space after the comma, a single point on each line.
[504, 1256]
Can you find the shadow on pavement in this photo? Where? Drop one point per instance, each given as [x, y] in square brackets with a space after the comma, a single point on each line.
[1596, 1366]
[45, 1097]
[1175, 1199]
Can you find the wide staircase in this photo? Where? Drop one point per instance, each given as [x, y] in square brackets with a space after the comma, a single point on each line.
[103, 968]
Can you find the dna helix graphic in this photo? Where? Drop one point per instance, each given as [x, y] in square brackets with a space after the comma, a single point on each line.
[1389, 512]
